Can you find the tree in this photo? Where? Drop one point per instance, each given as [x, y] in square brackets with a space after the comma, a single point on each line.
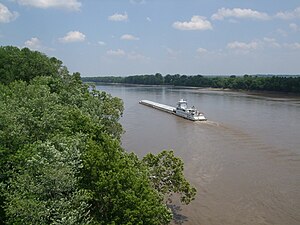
[159, 79]
[247, 82]
[24, 64]
[61, 160]
[45, 189]
[166, 174]
[36, 113]
[120, 187]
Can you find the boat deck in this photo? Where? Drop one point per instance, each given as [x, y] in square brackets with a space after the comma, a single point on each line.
[162, 107]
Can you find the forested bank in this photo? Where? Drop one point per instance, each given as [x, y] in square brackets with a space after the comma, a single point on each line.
[246, 82]
[61, 160]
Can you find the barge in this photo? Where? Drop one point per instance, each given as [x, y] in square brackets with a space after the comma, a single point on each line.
[181, 110]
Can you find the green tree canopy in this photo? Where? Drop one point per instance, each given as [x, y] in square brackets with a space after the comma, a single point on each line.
[44, 187]
[166, 173]
[61, 160]
[24, 64]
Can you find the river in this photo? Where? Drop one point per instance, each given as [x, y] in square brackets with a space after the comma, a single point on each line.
[244, 161]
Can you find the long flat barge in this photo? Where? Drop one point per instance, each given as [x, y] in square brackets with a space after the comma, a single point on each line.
[159, 106]
[181, 110]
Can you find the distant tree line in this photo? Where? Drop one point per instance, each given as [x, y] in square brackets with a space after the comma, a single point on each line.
[246, 82]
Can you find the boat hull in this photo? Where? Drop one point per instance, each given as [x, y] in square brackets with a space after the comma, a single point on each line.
[188, 116]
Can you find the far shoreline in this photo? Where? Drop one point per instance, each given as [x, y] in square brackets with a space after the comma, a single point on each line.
[257, 93]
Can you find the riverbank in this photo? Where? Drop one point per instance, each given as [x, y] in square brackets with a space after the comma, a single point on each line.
[256, 93]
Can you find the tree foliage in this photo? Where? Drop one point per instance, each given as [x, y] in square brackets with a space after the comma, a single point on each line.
[246, 82]
[120, 187]
[45, 189]
[166, 173]
[61, 160]
[24, 64]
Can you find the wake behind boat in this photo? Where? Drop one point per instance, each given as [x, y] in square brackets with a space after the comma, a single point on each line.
[181, 109]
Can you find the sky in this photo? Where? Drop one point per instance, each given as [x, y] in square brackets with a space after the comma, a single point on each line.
[129, 37]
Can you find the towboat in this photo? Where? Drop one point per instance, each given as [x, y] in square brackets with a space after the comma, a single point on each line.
[184, 111]
[181, 110]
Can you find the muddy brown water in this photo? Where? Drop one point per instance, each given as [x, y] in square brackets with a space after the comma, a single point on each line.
[244, 161]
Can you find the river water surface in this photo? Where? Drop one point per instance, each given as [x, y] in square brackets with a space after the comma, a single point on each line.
[244, 161]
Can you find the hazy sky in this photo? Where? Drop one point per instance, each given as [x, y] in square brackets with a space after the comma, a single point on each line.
[126, 37]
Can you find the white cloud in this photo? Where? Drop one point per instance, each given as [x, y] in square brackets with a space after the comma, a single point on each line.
[295, 46]
[136, 56]
[148, 19]
[118, 52]
[73, 36]
[127, 55]
[73, 5]
[201, 50]
[35, 44]
[288, 15]
[242, 47]
[239, 13]
[118, 17]
[7, 16]
[101, 43]
[129, 37]
[196, 23]
[137, 1]
[293, 27]
[271, 42]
